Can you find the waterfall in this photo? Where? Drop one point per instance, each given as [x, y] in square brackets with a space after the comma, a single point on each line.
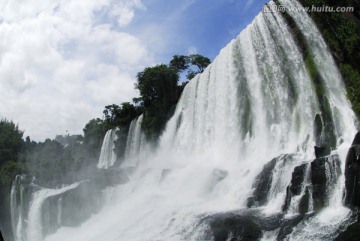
[27, 220]
[17, 210]
[249, 117]
[107, 155]
[134, 143]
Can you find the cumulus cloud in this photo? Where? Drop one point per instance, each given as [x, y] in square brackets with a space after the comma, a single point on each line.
[62, 61]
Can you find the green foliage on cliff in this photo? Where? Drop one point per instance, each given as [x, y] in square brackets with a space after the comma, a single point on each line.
[10, 146]
[160, 91]
[341, 31]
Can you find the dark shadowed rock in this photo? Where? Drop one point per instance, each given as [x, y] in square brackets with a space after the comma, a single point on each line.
[1, 237]
[321, 151]
[295, 187]
[352, 174]
[248, 225]
[356, 139]
[263, 181]
[352, 232]
[298, 177]
[262, 185]
[287, 226]
[324, 173]
[304, 202]
[234, 227]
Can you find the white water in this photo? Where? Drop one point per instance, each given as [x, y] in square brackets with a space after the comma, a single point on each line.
[107, 155]
[253, 103]
[30, 228]
[135, 143]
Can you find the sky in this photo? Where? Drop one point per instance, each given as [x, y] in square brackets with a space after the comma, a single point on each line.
[63, 61]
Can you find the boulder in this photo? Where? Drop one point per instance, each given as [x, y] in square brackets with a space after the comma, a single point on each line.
[352, 232]
[323, 176]
[262, 185]
[296, 185]
[352, 174]
[297, 180]
[249, 225]
[321, 151]
[234, 227]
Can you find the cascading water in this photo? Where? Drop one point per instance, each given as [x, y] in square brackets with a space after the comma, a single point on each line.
[134, 143]
[255, 103]
[107, 155]
[29, 226]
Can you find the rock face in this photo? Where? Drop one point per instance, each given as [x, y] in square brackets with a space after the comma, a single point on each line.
[263, 181]
[248, 225]
[314, 183]
[324, 175]
[352, 174]
[352, 232]
[262, 185]
[234, 227]
[324, 135]
[296, 185]
[1, 237]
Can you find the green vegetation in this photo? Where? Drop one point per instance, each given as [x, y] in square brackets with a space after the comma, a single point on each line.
[341, 31]
[10, 146]
[159, 90]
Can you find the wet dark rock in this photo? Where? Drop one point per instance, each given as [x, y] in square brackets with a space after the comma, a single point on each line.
[287, 226]
[356, 140]
[304, 202]
[298, 177]
[352, 232]
[263, 181]
[321, 182]
[234, 227]
[321, 151]
[246, 225]
[325, 138]
[262, 185]
[352, 174]
[295, 187]
[324, 173]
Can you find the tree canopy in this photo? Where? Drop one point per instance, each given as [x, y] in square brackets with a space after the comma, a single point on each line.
[183, 62]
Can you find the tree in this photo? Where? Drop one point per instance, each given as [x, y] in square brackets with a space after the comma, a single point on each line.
[10, 141]
[200, 61]
[10, 147]
[179, 63]
[111, 112]
[158, 86]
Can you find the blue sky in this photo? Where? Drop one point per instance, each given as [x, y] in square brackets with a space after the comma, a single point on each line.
[201, 24]
[62, 61]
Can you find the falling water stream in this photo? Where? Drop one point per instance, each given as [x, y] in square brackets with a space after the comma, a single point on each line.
[255, 102]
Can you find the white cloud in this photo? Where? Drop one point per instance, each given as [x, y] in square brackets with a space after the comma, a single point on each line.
[60, 65]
